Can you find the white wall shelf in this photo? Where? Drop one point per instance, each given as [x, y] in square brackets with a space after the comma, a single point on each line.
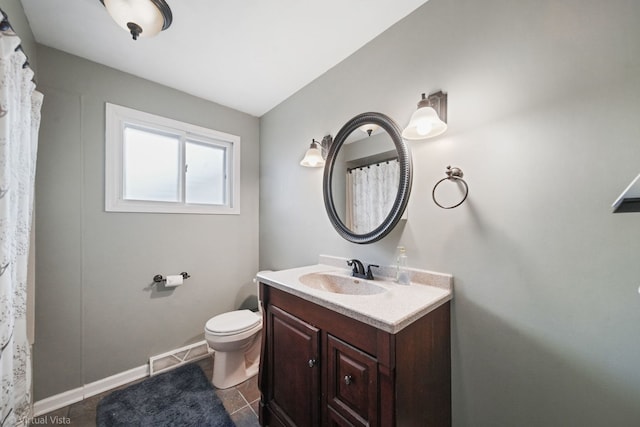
[629, 200]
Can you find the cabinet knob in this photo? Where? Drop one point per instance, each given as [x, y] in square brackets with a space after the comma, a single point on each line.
[312, 363]
[348, 379]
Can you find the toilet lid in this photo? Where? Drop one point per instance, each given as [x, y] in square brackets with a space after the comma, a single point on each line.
[233, 322]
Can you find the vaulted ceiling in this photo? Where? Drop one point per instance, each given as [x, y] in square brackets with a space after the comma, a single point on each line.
[249, 55]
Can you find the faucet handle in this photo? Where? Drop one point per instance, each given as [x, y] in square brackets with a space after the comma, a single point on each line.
[358, 267]
[369, 273]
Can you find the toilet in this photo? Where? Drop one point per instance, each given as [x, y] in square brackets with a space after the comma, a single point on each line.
[235, 337]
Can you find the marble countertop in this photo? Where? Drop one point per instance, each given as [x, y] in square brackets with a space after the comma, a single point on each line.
[390, 311]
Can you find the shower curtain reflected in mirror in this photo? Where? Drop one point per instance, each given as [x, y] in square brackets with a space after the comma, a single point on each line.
[20, 107]
[371, 191]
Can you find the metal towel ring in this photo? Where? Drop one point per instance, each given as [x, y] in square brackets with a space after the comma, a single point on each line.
[453, 174]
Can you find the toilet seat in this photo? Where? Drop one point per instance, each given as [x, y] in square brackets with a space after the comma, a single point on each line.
[232, 322]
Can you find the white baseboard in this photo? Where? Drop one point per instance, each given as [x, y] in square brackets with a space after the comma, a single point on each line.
[58, 401]
[67, 398]
[116, 380]
[70, 397]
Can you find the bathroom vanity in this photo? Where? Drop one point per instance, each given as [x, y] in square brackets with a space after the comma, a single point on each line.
[340, 351]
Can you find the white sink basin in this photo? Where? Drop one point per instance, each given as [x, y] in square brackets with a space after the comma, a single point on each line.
[338, 284]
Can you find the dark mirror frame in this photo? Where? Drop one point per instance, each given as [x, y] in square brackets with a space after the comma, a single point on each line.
[404, 186]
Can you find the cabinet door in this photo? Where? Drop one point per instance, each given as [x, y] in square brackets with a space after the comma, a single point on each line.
[294, 383]
[352, 384]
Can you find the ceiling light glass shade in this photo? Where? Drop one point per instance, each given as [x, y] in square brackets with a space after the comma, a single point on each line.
[424, 123]
[369, 128]
[313, 157]
[144, 18]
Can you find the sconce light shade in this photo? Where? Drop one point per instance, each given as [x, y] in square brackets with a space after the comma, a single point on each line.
[142, 18]
[317, 152]
[313, 157]
[426, 122]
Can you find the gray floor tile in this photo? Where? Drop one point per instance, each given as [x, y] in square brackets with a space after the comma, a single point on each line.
[245, 417]
[241, 403]
[231, 399]
[57, 417]
[249, 389]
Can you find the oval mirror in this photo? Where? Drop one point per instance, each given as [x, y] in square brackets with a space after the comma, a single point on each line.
[367, 178]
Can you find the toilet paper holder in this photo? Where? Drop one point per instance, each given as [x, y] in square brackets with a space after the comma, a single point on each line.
[159, 279]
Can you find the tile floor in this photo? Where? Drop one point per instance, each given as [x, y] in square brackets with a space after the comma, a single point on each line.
[241, 402]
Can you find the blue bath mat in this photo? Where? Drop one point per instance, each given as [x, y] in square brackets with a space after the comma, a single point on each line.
[182, 397]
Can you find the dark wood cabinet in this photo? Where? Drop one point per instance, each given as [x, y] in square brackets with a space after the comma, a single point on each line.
[294, 352]
[322, 368]
[352, 383]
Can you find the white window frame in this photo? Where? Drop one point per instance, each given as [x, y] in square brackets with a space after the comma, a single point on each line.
[117, 117]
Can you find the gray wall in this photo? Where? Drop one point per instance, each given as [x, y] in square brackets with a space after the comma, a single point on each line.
[543, 119]
[13, 9]
[95, 313]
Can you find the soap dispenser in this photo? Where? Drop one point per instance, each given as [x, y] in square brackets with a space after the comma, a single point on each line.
[402, 274]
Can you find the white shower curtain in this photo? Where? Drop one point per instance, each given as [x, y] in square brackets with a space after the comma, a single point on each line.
[371, 191]
[19, 122]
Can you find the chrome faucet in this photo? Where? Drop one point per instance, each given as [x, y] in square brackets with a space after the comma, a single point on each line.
[359, 270]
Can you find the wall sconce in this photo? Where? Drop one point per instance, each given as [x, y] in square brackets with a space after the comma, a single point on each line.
[144, 18]
[317, 153]
[429, 119]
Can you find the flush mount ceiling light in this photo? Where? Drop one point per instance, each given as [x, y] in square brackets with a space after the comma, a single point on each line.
[317, 153]
[429, 119]
[369, 128]
[142, 18]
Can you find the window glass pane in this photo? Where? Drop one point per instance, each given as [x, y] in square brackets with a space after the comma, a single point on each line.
[151, 169]
[156, 164]
[206, 171]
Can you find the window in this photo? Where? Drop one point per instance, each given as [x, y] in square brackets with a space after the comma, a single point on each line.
[154, 164]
